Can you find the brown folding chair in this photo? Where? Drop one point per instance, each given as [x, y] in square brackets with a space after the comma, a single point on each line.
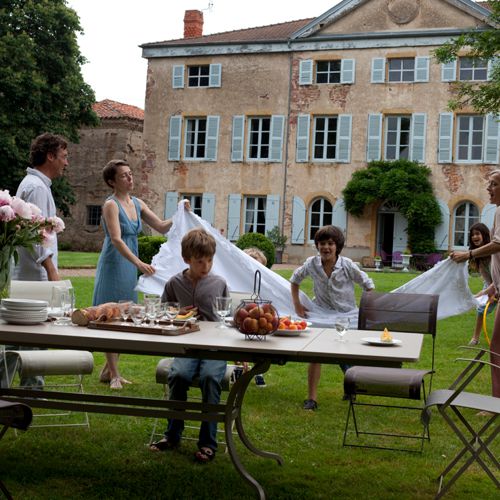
[18, 416]
[451, 403]
[398, 312]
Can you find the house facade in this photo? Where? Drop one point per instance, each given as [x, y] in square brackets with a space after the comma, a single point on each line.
[265, 126]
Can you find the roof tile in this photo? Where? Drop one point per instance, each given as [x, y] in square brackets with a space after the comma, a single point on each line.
[112, 109]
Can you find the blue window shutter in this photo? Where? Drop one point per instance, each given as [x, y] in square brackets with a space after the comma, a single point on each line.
[441, 233]
[238, 138]
[174, 139]
[212, 138]
[347, 70]
[488, 215]
[344, 139]
[422, 69]
[298, 221]
[276, 145]
[306, 72]
[491, 143]
[418, 128]
[302, 148]
[449, 71]
[208, 207]
[374, 142]
[233, 217]
[171, 200]
[215, 75]
[272, 211]
[378, 70]
[445, 137]
[339, 216]
[178, 76]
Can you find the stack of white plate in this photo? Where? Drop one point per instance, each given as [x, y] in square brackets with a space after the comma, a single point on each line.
[24, 311]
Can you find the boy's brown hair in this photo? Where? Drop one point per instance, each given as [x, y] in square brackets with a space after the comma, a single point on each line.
[330, 232]
[197, 243]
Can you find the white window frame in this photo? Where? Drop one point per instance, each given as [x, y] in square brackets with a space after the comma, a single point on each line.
[260, 143]
[324, 146]
[469, 220]
[401, 71]
[196, 134]
[196, 201]
[325, 218]
[398, 133]
[474, 69]
[470, 132]
[252, 226]
[330, 72]
[199, 76]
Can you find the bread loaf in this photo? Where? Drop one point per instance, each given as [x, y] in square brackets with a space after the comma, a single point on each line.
[103, 312]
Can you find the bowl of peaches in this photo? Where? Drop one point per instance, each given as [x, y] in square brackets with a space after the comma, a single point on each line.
[289, 327]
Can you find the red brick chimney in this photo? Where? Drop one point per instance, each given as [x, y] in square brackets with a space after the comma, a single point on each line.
[193, 23]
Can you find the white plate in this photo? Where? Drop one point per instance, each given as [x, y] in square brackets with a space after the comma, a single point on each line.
[290, 333]
[24, 303]
[377, 341]
[23, 321]
[24, 317]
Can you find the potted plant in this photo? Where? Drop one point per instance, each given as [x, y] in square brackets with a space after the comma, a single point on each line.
[278, 240]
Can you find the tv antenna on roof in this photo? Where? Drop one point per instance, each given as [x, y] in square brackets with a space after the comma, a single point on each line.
[210, 6]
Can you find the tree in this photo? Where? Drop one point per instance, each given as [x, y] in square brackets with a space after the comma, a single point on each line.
[404, 183]
[483, 44]
[41, 85]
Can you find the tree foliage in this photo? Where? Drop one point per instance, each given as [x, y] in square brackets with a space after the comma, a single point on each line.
[405, 184]
[263, 243]
[41, 85]
[482, 44]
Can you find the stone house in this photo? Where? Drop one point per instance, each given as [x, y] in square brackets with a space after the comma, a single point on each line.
[264, 127]
[119, 135]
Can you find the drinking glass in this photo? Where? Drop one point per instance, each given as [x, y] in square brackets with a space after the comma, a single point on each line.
[223, 306]
[137, 314]
[171, 311]
[124, 306]
[341, 327]
[62, 302]
[152, 304]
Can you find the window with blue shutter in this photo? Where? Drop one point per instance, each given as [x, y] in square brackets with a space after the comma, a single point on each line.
[418, 128]
[449, 71]
[215, 75]
[488, 215]
[208, 207]
[378, 70]
[441, 233]
[348, 70]
[374, 142]
[212, 138]
[178, 76]
[174, 138]
[237, 138]
[302, 149]
[306, 72]
[422, 69]
[445, 137]
[272, 211]
[339, 216]
[491, 144]
[276, 141]
[298, 221]
[344, 138]
[171, 200]
[233, 217]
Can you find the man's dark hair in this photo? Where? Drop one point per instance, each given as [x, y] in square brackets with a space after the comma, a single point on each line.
[43, 145]
[330, 232]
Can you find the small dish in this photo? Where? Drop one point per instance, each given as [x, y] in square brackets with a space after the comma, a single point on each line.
[290, 333]
[378, 342]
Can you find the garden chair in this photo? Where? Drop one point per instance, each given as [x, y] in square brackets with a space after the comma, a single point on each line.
[451, 404]
[398, 312]
[17, 416]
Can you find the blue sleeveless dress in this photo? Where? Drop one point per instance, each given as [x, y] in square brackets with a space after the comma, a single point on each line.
[116, 277]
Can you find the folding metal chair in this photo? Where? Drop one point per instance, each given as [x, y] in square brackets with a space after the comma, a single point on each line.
[451, 402]
[398, 312]
[17, 416]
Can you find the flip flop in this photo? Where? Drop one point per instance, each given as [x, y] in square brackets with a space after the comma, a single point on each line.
[163, 444]
[115, 383]
[204, 455]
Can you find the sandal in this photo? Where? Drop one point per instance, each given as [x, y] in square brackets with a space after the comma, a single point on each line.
[310, 404]
[115, 383]
[473, 341]
[163, 444]
[204, 455]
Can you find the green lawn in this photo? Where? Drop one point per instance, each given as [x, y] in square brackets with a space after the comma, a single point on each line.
[71, 260]
[112, 461]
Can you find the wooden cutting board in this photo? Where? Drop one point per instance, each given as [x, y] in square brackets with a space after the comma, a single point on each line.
[127, 326]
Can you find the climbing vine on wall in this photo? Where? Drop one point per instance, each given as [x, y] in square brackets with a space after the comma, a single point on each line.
[405, 184]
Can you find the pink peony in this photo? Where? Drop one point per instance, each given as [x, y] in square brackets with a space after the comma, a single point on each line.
[21, 208]
[6, 213]
[57, 224]
[47, 238]
[5, 198]
[36, 212]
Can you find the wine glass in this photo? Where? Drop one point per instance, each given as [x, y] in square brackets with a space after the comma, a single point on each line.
[137, 314]
[341, 327]
[171, 311]
[62, 302]
[223, 306]
[124, 306]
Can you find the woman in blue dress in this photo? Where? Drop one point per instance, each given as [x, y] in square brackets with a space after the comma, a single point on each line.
[116, 275]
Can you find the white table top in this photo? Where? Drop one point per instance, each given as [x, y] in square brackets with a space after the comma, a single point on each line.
[316, 345]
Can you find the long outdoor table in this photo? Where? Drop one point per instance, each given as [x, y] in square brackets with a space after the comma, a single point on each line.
[317, 345]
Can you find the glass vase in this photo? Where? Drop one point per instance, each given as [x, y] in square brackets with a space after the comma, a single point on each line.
[5, 268]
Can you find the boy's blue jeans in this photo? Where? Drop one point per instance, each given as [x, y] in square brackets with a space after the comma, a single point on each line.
[211, 372]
